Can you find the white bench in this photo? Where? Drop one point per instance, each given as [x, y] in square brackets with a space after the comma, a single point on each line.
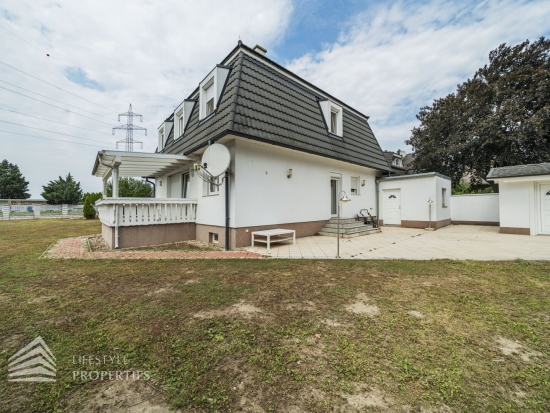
[274, 233]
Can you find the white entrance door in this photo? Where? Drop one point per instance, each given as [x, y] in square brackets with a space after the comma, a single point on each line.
[545, 209]
[392, 213]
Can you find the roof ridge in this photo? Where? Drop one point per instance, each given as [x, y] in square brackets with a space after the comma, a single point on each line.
[233, 110]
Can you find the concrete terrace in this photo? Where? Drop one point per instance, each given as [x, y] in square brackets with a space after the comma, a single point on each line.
[461, 242]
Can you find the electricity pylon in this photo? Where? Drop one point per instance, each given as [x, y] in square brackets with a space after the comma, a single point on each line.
[130, 128]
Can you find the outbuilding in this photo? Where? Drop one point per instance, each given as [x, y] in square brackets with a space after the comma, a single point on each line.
[415, 201]
[524, 198]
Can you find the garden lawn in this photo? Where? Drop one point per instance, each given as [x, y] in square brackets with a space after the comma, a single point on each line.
[273, 335]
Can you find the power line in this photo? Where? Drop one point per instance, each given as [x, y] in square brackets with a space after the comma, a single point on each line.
[57, 87]
[30, 44]
[57, 133]
[50, 139]
[67, 110]
[50, 56]
[58, 101]
[53, 121]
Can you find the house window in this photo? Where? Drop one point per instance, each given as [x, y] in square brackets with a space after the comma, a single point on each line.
[444, 197]
[334, 121]
[210, 107]
[212, 188]
[180, 125]
[355, 185]
[161, 140]
[213, 238]
[332, 114]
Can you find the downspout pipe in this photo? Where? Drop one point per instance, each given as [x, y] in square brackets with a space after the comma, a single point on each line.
[378, 203]
[227, 243]
[153, 184]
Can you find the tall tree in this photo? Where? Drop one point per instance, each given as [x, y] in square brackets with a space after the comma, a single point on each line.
[63, 191]
[131, 188]
[12, 182]
[500, 117]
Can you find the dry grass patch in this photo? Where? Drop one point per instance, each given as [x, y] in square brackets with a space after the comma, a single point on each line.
[326, 336]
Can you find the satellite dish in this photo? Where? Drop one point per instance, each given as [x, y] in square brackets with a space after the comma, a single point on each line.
[215, 159]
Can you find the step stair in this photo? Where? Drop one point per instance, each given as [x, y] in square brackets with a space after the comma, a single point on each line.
[349, 228]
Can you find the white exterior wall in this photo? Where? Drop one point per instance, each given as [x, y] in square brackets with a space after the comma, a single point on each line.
[414, 195]
[475, 208]
[441, 212]
[517, 205]
[264, 195]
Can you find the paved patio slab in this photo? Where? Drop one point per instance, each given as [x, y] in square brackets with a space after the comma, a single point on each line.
[461, 242]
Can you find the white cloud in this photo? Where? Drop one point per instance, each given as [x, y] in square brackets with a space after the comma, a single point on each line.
[394, 59]
[150, 53]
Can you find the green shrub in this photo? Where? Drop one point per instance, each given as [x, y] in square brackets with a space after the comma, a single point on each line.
[88, 210]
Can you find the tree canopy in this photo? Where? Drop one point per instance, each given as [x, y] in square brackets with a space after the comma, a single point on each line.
[131, 188]
[12, 182]
[63, 191]
[500, 117]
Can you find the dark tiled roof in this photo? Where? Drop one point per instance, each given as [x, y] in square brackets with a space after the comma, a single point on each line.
[519, 170]
[263, 104]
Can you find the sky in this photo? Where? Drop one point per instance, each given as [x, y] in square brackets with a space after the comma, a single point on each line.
[67, 69]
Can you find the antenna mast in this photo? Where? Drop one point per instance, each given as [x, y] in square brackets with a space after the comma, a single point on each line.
[130, 128]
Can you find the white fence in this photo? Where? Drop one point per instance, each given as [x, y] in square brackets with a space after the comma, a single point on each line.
[146, 211]
[10, 212]
[475, 209]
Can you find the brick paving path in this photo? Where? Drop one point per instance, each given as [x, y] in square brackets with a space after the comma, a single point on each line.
[76, 248]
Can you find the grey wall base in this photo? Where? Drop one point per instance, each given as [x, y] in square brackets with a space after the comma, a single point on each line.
[144, 235]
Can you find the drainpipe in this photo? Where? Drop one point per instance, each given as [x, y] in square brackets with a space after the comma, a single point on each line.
[377, 182]
[154, 186]
[227, 244]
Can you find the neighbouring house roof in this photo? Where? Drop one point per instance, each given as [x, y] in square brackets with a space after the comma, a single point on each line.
[265, 102]
[519, 170]
[137, 163]
[422, 175]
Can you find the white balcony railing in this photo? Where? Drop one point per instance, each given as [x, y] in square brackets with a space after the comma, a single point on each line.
[146, 211]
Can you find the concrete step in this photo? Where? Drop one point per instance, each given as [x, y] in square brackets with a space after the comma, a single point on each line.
[362, 228]
[342, 220]
[347, 225]
[351, 234]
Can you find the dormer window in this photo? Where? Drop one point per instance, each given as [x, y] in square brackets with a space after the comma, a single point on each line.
[182, 115]
[334, 122]
[210, 91]
[210, 107]
[161, 139]
[333, 117]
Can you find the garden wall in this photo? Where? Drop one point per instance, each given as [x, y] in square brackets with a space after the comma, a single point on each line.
[475, 209]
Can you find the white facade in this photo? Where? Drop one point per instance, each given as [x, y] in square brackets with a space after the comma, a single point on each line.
[475, 208]
[261, 193]
[404, 200]
[525, 205]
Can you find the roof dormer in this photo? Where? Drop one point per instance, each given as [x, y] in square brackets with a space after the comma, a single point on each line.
[210, 90]
[333, 115]
[181, 117]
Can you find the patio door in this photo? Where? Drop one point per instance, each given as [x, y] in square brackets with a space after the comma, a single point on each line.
[392, 210]
[545, 209]
[185, 185]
